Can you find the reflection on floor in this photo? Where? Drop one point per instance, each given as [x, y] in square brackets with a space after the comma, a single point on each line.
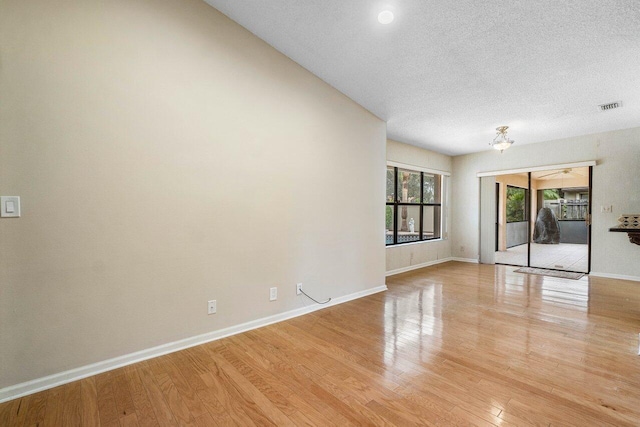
[564, 256]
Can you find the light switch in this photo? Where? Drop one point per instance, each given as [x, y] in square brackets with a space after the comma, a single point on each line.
[9, 206]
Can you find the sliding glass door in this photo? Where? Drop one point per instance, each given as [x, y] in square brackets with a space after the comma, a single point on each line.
[560, 219]
[512, 202]
[542, 219]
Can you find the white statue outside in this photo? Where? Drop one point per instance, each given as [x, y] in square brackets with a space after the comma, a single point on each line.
[411, 225]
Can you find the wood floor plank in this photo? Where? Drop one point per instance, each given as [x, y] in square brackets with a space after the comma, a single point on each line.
[373, 418]
[265, 379]
[89, 402]
[122, 396]
[262, 381]
[178, 408]
[107, 409]
[297, 381]
[144, 411]
[37, 408]
[55, 407]
[477, 418]
[246, 401]
[161, 408]
[71, 414]
[395, 417]
[129, 420]
[205, 420]
[454, 344]
[5, 411]
[216, 411]
[226, 396]
[15, 412]
[189, 371]
[187, 393]
[245, 387]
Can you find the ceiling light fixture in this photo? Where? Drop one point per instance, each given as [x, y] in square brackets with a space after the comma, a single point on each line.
[385, 17]
[501, 141]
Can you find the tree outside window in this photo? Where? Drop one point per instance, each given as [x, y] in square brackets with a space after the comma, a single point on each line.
[516, 204]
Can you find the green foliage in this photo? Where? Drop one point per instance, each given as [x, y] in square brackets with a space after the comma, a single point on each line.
[516, 204]
[389, 219]
[551, 194]
[429, 188]
[411, 182]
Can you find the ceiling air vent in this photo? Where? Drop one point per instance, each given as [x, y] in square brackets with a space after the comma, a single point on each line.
[610, 106]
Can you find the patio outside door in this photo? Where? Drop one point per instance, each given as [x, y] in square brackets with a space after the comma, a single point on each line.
[543, 219]
[560, 213]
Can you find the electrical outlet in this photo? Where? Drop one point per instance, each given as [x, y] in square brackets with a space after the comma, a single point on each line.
[273, 294]
[298, 288]
[212, 306]
[606, 209]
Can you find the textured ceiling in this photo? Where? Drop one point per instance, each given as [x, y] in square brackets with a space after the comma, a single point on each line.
[445, 74]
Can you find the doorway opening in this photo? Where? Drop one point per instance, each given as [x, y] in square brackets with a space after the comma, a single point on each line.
[543, 219]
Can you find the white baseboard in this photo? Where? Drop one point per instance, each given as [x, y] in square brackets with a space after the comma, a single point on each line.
[470, 260]
[615, 276]
[427, 264]
[44, 383]
[416, 266]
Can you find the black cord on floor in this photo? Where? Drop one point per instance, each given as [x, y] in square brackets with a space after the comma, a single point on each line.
[314, 300]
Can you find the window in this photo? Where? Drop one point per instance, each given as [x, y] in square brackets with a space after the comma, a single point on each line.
[517, 201]
[414, 206]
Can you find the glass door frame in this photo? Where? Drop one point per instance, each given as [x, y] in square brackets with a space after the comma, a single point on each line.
[530, 219]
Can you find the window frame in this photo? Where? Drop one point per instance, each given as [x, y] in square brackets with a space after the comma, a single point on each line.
[396, 204]
[525, 207]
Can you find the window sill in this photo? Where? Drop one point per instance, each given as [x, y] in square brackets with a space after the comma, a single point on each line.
[415, 243]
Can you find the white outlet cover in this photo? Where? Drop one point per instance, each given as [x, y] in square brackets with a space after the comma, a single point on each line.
[273, 294]
[212, 306]
[9, 206]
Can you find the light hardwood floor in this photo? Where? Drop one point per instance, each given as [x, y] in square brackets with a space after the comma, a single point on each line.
[454, 344]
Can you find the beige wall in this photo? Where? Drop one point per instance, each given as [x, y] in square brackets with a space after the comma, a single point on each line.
[413, 254]
[165, 156]
[542, 184]
[519, 180]
[615, 182]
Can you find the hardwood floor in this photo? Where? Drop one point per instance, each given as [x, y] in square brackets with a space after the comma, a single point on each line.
[454, 344]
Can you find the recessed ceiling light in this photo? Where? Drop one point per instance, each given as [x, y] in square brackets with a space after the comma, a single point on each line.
[385, 17]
